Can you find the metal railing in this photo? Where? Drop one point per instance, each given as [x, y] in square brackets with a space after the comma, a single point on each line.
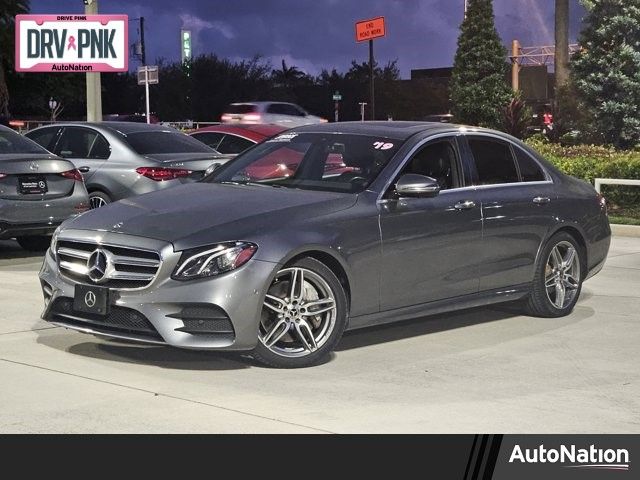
[614, 181]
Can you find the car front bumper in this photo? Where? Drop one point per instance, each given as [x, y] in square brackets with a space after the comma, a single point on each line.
[192, 314]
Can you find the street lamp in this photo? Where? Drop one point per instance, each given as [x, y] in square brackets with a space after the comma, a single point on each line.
[53, 104]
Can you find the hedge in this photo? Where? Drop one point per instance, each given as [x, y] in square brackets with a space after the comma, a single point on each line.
[589, 162]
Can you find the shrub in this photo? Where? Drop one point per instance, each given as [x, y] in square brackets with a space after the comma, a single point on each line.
[589, 162]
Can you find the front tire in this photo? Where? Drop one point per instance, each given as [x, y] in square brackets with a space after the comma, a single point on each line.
[35, 243]
[558, 278]
[303, 316]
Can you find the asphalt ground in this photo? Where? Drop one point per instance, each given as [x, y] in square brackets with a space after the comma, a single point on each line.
[480, 370]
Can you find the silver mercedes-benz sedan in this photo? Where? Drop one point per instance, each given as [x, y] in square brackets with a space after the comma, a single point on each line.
[123, 159]
[38, 191]
[422, 218]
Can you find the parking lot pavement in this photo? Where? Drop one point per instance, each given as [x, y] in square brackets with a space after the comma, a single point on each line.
[481, 370]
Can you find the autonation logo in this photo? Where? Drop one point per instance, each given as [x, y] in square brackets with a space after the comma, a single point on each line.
[574, 457]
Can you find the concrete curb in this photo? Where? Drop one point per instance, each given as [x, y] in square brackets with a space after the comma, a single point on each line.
[625, 230]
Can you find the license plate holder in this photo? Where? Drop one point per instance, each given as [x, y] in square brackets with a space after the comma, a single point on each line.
[32, 184]
[94, 300]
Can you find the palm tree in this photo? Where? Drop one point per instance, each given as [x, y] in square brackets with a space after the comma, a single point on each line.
[288, 77]
[8, 10]
[562, 43]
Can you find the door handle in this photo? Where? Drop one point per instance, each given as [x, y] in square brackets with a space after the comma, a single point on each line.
[541, 200]
[465, 205]
[84, 169]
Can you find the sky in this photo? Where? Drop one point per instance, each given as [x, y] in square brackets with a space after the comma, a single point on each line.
[317, 34]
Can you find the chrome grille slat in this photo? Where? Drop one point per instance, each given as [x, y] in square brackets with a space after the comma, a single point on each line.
[70, 252]
[129, 268]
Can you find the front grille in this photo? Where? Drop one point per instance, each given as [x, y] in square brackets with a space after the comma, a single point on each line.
[119, 320]
[127, 268]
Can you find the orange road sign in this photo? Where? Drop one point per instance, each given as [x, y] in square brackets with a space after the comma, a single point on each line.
[370, 29]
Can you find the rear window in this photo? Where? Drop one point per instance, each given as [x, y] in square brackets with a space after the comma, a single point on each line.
[149, 143]
[12, 142]
[242, 108]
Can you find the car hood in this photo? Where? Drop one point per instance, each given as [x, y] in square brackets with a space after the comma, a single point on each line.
[200, 214]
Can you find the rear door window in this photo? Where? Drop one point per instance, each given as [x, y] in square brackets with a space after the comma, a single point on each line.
[209, 138]
[77, 142]
[494, 161]
[530, 170]
[232, 144]
[45, 137]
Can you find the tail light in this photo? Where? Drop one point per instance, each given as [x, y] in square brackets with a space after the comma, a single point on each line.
[162, 174]
[2, 175]
[324, 120]
[226, 117]
[251, 117]
[602, 201]
[73, 175]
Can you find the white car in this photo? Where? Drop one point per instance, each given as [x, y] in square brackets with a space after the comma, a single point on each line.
[287, 115]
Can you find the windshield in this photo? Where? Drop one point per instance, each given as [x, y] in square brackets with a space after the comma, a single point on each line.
[149, 143]
[311, 161]
[12, 142]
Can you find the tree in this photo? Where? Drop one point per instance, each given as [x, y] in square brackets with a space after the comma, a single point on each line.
[607, 70]
[479, 89]
[8, 10]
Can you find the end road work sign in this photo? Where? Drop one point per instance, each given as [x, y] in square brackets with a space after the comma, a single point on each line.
[72, 43]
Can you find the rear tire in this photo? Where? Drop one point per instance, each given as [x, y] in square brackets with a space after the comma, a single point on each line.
[300, 326]
[98, 199]
[35, 243]
[559, 274]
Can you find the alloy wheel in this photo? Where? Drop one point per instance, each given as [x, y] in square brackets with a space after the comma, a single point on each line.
[299, 313]
[562, 275]
[96, 202]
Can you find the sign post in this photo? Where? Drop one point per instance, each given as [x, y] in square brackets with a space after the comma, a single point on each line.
[147, 75]
[367, 30]
[336, 98]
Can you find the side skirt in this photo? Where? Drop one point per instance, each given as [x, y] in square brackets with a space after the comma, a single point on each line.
[489, 297]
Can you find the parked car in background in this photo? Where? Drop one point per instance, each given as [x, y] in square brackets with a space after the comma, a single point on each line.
[286, 115]
[122, 159]
[37, 191]
[235, 139]
[431, 218]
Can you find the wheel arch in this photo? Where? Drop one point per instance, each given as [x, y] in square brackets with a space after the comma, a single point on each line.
[327, 257]
[572, 229]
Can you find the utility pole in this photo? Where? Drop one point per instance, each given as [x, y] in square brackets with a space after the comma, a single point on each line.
[143, 54]
[562, 43]
[515, 65]
[372, 75]
[94, 84]
[362, 105]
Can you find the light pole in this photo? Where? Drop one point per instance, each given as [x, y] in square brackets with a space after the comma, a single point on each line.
[53, 104]
[94, 84]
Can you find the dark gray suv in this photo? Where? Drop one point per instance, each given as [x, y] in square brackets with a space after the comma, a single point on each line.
[122, 159]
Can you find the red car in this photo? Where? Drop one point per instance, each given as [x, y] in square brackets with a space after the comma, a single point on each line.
[235, 139]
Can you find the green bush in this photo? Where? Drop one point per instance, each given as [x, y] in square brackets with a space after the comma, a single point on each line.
[590, 161]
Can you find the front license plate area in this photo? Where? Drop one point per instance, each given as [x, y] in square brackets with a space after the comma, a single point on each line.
[93, 300]
[32, 184]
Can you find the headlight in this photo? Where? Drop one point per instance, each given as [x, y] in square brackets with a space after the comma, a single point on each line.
[54, 244]
[213, 260]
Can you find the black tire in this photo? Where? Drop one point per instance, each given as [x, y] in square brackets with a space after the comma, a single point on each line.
[538, 303]
[35, 243]
[264, 355]
[98, 199]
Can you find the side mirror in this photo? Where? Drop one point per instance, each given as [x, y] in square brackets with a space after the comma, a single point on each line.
[414, 185]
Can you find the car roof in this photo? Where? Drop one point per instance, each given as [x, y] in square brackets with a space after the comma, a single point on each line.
[253, 132]
[399, 130]
[122, 127]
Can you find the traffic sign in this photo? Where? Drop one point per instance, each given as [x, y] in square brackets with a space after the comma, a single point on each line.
[148, 74]
[337, 97]
[370, 29]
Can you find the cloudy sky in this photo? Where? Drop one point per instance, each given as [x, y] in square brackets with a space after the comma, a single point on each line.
[317, 34]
